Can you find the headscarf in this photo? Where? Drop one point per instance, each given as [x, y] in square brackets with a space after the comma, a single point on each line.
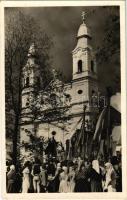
[64, 168]
[58, 165]
[95, 166]
[109, 165]
[11, 171]
[58, 168]
[110, 168]
[12, 167]
[109, 172]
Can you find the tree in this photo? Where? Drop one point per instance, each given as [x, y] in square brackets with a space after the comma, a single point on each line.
[111, 39]
[35, 148]
[51, 103]
[51, 106]
[109, 51]
[20, 31]
[40, 147]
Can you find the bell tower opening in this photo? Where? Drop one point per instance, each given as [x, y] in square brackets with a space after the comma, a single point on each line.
[27, 81]
[79, 66]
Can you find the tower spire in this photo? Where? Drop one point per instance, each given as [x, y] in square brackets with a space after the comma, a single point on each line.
[84, 13]
[32, 50]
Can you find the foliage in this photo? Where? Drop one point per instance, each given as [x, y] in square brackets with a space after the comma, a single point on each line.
[20, 31]
[111, 39]
[109, 51]
[51, 103]
[35, 147]
[38, 146]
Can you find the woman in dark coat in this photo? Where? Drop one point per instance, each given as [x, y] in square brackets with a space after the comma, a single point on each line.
[11, 180]
[57, 177]
[95, 177]
[50, 179]
[81, 180]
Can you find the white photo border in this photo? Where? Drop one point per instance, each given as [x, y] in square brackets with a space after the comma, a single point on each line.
[117, 195]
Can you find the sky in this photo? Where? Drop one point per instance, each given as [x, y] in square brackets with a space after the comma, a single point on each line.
[62, 24]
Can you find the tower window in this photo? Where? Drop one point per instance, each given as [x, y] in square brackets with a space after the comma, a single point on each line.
[27, 102]
[93, 92]
[80, 91]
[27, 81]
[92, 65]
[79, 66]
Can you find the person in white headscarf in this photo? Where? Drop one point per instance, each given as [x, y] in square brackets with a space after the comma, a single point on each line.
[63, 187]
[26, 178]
[95, 177]
[110, 182]
[95, 166]
[71, 179]
[11, 179]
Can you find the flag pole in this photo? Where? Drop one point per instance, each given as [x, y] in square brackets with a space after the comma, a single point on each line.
[109, 94]
[84, 131]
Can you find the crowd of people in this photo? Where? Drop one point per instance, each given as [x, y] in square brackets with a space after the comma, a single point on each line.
[66, 176]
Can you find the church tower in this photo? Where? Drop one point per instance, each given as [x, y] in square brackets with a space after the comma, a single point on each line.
[84, 80]
[31, 81]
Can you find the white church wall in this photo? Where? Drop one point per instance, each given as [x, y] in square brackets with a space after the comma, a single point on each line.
[46, 130]
[77, 88]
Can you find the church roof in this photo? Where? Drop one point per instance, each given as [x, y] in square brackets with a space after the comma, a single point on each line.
[83, 31]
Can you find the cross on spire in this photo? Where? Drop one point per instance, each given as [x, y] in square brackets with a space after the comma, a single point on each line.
[84, 13]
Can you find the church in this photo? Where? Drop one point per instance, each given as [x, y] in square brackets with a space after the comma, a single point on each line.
[71, 101]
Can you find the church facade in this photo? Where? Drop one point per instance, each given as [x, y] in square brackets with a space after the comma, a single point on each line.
[75, 95]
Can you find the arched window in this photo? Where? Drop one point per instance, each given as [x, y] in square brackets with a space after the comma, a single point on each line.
[27, 81]
[79, 66]
[27, 103]
[92, 65]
